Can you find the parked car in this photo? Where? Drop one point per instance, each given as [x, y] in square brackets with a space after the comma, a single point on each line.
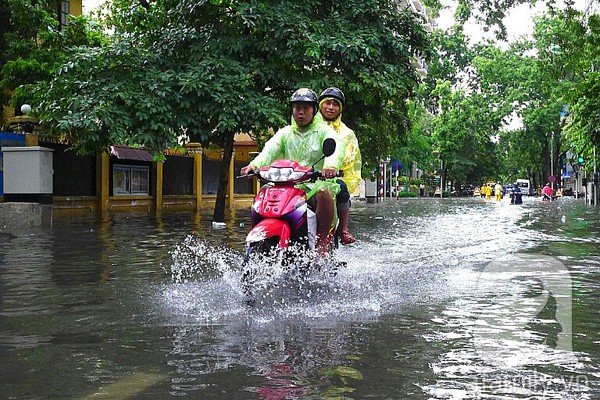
[525, 186]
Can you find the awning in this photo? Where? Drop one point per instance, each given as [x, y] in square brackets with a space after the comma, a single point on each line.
[130, 153]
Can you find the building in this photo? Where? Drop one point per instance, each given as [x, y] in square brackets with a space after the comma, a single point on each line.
[128, 178]
[418, 61]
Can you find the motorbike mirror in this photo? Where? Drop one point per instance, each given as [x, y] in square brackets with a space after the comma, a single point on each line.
[328, 147]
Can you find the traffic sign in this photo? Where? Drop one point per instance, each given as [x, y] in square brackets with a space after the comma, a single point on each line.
[552, 178]
[397, 165]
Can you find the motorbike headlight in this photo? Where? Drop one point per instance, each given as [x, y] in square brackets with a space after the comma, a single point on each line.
[280, 174]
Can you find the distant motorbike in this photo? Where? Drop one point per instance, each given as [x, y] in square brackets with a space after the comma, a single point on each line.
[281, 215]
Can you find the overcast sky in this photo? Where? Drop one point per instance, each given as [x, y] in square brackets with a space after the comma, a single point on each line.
[519, 21]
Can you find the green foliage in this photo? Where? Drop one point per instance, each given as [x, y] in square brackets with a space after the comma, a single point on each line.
[407, 194]
[207, 69]
[33, 47]
[581, 57]
[473, 93]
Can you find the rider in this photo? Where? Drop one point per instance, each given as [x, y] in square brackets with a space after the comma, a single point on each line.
[547, 192]
[331, 102]
[302, 142]
[516, 197]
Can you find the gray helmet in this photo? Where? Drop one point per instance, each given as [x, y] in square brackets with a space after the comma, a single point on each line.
[304, 95]
[335, 93]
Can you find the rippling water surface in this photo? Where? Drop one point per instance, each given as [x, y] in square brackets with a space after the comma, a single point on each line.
[440, 299]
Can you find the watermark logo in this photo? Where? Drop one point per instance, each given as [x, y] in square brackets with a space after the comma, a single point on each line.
[524, 316]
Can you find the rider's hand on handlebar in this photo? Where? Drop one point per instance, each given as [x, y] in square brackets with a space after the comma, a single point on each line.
[247, 170]
[329, 173]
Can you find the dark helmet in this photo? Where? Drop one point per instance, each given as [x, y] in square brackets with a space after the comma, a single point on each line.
[335, 93]
[304, 95]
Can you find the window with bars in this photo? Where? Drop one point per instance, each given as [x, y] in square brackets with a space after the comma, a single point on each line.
[64, 10]
[130, 179]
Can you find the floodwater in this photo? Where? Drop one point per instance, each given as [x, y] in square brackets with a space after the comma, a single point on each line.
[440, 299]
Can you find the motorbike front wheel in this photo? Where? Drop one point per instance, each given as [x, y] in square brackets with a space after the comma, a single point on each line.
[256, 252]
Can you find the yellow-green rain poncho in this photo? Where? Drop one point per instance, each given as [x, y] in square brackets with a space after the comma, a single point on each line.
[305, 146]
[352, 159]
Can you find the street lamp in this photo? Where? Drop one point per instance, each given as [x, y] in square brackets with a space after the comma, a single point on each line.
[27, 126]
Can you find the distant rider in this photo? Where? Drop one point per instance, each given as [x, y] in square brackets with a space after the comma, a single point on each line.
[547, 192]
[302, 142]
[516, 197]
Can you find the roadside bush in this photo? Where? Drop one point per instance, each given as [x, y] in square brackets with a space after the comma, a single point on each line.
[407, 194]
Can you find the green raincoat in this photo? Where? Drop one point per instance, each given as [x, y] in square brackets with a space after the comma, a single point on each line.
[305, 146]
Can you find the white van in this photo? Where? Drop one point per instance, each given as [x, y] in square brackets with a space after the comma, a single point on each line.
[525, 186]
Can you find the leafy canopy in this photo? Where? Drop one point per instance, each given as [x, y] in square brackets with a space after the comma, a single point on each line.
[206, 69]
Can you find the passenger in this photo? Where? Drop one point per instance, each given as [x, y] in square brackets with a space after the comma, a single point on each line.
[302, 141]
[331, 103]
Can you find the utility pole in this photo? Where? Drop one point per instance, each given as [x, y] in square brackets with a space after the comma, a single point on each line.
[552, 160]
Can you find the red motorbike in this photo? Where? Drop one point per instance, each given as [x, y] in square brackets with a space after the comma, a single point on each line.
[281, 214]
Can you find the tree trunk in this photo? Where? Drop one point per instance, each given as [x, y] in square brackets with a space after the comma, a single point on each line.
[219, 211]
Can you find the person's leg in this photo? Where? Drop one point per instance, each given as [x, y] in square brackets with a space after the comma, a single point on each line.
[343, 231]
[324, 211]
[343, 210]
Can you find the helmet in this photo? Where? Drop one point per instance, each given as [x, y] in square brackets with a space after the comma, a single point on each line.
[335, 93]
[304, 95]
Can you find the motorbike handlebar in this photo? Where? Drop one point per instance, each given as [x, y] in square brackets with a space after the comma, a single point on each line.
[317, 174]
[314, 175]
[250, 175]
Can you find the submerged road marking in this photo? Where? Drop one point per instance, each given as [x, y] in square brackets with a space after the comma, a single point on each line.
[127, 387]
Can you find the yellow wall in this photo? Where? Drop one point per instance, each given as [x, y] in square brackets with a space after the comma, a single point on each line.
[76, 7]
[7, 113]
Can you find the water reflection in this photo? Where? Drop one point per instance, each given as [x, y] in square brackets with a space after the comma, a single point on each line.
[282, 360]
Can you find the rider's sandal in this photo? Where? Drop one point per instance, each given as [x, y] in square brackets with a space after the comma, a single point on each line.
[347, 238]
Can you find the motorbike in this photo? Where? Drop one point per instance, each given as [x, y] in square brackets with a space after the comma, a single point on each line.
[282, 217]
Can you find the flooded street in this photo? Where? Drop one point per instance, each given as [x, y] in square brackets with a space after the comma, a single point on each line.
[440, 299]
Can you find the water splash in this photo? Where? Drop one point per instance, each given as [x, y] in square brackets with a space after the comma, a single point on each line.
[390, 269]
[196, 259]
[293, 274]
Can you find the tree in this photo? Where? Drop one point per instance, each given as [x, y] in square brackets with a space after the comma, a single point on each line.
[32, 46]
[210, 69]
[576, 59]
